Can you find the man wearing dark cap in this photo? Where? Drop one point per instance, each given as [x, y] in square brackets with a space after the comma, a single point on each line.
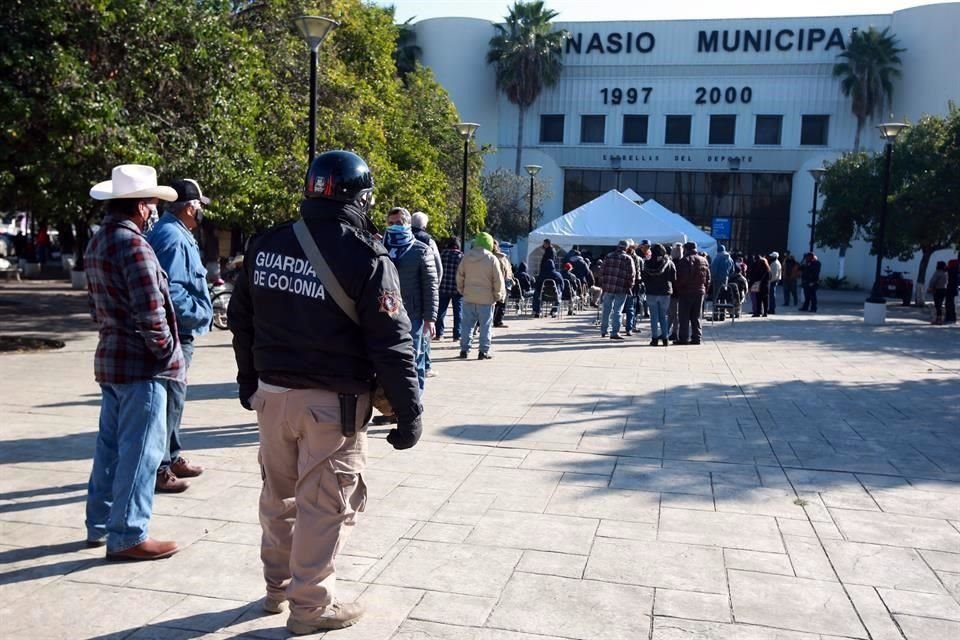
[176, 248]
[693, 282]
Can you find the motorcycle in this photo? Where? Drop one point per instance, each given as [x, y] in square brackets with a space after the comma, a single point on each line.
[893, 284]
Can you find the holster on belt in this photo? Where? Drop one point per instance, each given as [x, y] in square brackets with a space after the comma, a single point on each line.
[348, 414]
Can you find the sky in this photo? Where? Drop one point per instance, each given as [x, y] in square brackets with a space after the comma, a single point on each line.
[591, 10]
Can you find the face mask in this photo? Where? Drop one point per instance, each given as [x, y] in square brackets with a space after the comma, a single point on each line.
[398, 228]
[152, 218]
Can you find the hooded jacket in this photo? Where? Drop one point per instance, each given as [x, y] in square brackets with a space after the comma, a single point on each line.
[480, 278]
[527, 281]
[548, 271]
[722, 266]
[581, 269]
[419, 285]
[658, 276]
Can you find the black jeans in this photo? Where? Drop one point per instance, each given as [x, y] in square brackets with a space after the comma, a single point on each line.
[789, 290]
[809, 297]
[689, 310]
[499, 309]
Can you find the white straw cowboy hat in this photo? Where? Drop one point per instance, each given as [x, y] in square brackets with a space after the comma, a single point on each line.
[132, 181]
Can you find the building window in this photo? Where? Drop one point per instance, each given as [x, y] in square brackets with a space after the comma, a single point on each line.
[813, 130]
[722, 129]
[678, 130]
[551, 129]
[768, 130]
[592, 128]
[634, 129]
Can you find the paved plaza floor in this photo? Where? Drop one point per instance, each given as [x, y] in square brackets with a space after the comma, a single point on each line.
[793, 478]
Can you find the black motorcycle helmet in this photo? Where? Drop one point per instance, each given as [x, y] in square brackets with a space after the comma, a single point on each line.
[341, 176]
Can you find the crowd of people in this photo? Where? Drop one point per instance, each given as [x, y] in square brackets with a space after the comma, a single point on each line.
[331, 318]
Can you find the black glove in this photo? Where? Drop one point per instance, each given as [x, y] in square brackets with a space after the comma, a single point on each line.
[406, 434]
[246, 392]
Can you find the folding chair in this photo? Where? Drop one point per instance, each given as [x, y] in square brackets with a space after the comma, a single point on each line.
[550, 295]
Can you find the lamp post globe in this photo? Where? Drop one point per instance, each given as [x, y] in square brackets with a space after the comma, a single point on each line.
[889, 131]
[817, 174]
[314, 30]
[466, 131]
[532, 171]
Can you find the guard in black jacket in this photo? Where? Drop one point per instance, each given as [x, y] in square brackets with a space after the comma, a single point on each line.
[309, 356]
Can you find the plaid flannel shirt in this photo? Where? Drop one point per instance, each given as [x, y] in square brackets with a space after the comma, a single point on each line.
[618, 273]
[450, 259]
[130, 300]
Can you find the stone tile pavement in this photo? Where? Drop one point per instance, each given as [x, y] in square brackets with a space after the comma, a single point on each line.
[794, 478]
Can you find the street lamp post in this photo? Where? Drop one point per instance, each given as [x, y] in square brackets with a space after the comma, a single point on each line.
[889, 132]
[466, 131]
[314, 30]
[817, 174]
[533, 170]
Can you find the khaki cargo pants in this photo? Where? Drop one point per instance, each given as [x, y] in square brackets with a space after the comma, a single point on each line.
[312, 491]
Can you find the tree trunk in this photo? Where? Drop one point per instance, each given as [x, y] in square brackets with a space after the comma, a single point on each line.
[919, 287]
[841, 266]
[523, 113]
[856, 137]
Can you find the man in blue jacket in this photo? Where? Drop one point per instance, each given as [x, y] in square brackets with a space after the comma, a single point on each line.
[176, 248]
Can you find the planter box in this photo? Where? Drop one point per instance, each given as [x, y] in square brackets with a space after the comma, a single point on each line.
[78, 279]
[874, 313]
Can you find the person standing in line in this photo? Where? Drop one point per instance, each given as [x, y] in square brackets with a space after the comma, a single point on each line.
[693, 282]
[938, 287]
[659, 275]
[631, 303]
[419, 221]
[760, 285]
[449, 296]
[506, 270]
[953, 281]
[179, 255]
[776, 273]
[419, 285]
[720, 270]
[791, 272]
[480, 282]
[137, 355]
[617, 277]
[810, 280]
[318, 323]
[676, 253]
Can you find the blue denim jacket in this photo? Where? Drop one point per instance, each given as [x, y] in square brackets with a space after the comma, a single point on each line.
[179, 256]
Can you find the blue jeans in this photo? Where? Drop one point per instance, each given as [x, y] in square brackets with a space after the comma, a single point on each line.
[772, 304]
[445, 301]
[612, 306]
[630, 306]
[659, 308]
[176, 398]
[130, 444]
[419, 355]
[425, 347]
[472, 314]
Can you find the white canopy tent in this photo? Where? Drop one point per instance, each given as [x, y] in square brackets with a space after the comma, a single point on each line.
[604, 221]
[705, 242]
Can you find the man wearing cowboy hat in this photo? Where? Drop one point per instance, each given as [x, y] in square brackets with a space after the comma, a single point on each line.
[138, 353]
[176, 248]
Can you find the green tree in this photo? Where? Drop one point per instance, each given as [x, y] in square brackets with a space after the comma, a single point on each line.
[923, 212]
[866, 71]
[526, 54]
[926, 203]
[406, 54]
[508, 203]
[216, 90]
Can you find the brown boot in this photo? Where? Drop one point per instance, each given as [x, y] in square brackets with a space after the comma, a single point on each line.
[149, 549]
[168, 482]
[183, 469]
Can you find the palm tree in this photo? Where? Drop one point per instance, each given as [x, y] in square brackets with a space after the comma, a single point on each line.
[526, 55]
[866, 71]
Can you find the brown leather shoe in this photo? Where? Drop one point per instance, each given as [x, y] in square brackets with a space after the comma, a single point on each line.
[149, 549]
[168, 482]
[183, 469]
